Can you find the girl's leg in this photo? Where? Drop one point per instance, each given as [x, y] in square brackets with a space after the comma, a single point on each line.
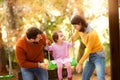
[68, 69]
[88, 70]
[59, 71]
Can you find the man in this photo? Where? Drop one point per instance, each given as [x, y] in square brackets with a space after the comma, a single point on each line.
[29, 54]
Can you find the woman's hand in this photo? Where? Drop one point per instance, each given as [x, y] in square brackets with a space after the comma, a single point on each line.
[71, 39]
[79, 68]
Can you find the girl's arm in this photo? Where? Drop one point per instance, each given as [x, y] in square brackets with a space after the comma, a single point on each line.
[71, 44]
[48, 46]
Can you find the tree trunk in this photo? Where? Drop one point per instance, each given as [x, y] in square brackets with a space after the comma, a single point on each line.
[3, 58]
[11, 16]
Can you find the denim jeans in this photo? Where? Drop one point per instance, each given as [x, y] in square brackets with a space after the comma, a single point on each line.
[28, 73]
[95, 61]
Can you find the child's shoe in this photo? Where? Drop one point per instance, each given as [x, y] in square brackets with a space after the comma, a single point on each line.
[70, 78]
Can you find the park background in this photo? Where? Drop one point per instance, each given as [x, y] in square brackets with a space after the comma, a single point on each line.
[16, 16]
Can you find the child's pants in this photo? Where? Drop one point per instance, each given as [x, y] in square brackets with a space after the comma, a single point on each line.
[60, 63]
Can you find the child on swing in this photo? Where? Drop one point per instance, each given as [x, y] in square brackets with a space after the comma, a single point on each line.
[60, 49]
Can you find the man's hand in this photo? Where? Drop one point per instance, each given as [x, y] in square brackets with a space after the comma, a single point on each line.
[43, 65]
[79, 68]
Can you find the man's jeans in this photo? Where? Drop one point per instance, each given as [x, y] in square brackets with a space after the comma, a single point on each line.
[28, 73]
[95, 61]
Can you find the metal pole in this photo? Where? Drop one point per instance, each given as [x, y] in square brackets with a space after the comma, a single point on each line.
[10, 64]
[8, 48]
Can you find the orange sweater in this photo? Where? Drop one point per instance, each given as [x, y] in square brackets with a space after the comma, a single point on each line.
[28, 55]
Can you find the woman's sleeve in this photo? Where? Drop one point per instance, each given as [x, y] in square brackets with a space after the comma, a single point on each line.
[74, 36]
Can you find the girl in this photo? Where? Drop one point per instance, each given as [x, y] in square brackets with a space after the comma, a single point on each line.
[60, 49]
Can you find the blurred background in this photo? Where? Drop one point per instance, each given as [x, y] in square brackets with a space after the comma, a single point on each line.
[18, 15]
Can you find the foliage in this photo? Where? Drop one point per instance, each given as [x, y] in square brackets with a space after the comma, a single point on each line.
[1, 1]
[107, 52]
[50, 15]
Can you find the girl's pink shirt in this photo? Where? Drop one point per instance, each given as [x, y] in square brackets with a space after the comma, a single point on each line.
[60, 51]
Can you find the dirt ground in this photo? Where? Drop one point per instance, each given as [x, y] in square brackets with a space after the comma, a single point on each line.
[76, 76]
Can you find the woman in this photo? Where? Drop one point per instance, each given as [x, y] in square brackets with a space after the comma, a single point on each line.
[94, 53]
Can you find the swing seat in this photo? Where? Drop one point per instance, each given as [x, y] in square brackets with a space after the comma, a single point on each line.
[73, 62]
[52, 65]
[7, 76]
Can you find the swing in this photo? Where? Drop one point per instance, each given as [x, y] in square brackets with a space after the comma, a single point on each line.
[10, 75]
[52, 65]
[7, 76]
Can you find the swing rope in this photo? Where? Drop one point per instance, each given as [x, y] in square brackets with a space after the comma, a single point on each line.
[73, 61]
[51, 65]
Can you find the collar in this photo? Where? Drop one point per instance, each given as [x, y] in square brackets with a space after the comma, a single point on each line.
[88, 29]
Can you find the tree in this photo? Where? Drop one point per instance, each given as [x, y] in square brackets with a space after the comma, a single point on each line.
[3, 58]
[48, 15]
[11, 16]
[8, 21]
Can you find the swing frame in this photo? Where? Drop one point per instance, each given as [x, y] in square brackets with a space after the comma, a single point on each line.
[7, 76]
[10, 75]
